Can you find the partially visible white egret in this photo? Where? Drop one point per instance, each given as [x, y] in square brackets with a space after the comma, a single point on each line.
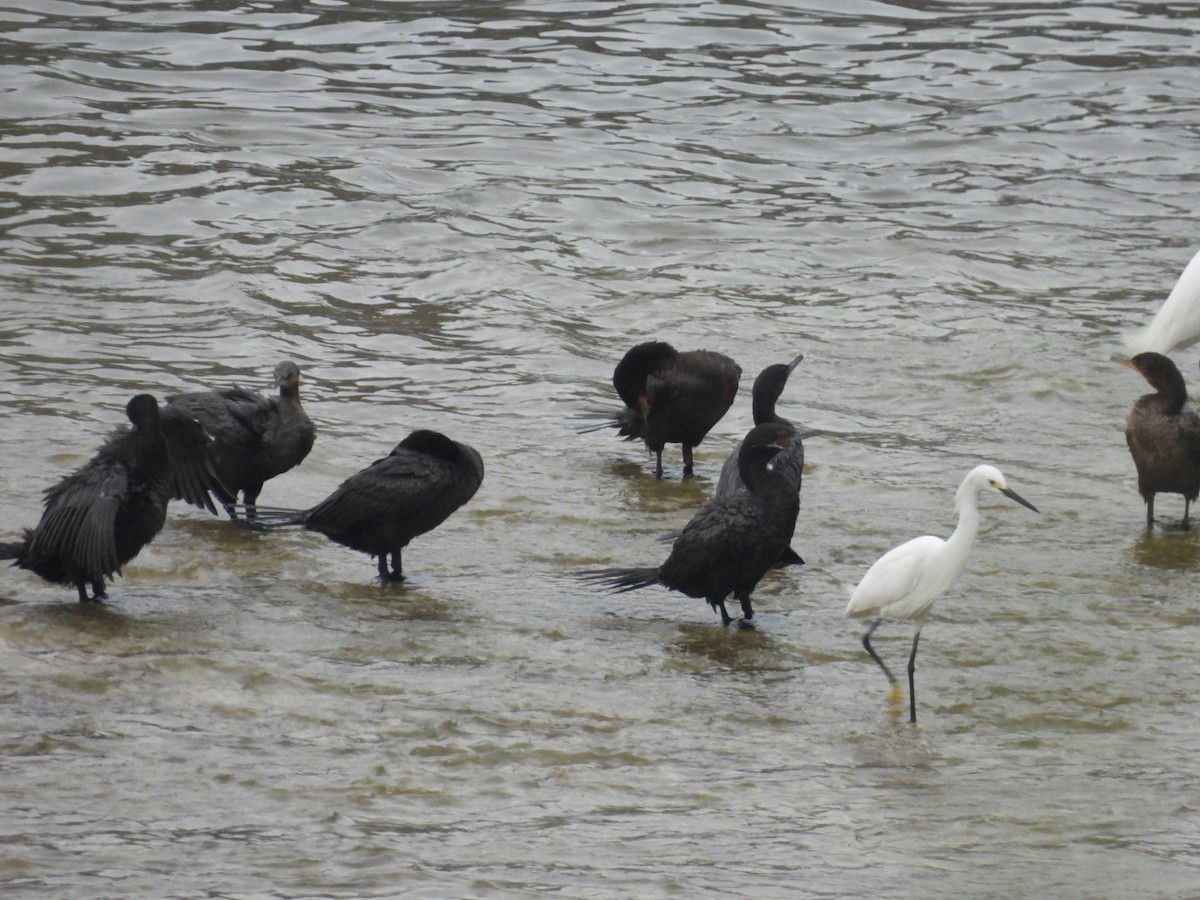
[1177, 324]
[904, 582]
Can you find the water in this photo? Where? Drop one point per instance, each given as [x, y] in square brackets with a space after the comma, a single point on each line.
[458, 216]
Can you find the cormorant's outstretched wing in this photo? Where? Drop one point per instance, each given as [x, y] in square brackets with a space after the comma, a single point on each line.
[79, 522]
[193, 474]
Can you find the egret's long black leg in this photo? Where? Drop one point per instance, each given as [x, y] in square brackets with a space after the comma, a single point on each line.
[912, 687]
[866, 642]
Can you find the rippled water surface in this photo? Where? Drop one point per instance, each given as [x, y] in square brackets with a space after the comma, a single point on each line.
[458, 216]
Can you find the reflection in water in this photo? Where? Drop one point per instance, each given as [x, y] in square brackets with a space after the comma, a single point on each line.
[1167, 548]
[456, 216]
[745, 651]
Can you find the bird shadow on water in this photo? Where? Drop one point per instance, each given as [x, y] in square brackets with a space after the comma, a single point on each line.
[404, 601]
[641, 490]
[741, 649]
[82, 625]
[1167, 547]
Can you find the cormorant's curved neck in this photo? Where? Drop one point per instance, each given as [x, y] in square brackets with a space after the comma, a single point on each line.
[1171, 391]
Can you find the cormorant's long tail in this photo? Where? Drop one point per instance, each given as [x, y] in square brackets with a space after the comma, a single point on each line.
[627, 422]
[14, 549]
[268, 517]
[618, 581]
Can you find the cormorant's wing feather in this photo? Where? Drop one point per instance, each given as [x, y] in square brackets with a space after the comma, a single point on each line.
[79, 523]
[388, 488]
[193, 474]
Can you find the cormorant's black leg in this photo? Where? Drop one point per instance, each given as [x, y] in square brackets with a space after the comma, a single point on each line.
[658, 465]
[98, 592]
[1150, 513]
[250, 501]
[393, 574]
[687, 460]
[747, 609]
[1187, 505]
[725, 617]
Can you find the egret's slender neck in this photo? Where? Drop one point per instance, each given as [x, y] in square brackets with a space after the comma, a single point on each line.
[966, 501]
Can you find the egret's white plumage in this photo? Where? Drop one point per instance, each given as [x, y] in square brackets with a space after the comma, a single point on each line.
[904, 582]
[1177, 324]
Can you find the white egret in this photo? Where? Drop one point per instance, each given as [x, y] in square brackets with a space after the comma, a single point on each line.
[1177, 324]
[904, 582]
[1163, 434]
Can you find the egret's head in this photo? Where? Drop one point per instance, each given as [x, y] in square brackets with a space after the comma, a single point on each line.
[985, 476]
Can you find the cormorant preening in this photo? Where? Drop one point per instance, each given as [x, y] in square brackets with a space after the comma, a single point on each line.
[734, 538]
[254, 437]
[395, 499]
[672, 397]
[97, 518]
[1163, 434]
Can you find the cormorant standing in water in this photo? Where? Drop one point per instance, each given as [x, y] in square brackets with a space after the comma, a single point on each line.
[395, 499]
[734, 538]
[768, 387]
[672, 397]
[254, 437]
[101, 515]
[1163, 434]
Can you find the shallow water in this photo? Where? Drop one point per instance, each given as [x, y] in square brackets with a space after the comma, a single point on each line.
[458, 216]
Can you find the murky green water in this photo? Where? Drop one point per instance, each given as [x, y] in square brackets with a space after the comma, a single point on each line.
[458, 216]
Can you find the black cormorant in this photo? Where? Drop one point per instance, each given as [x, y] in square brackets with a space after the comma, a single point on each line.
[734, 538]
[393, 500]
[254, 437]
[1163, 434]
[672, 397]
[768, 387]
[101, 515]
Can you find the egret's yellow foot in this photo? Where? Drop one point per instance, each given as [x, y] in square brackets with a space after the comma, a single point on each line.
[894, 694]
